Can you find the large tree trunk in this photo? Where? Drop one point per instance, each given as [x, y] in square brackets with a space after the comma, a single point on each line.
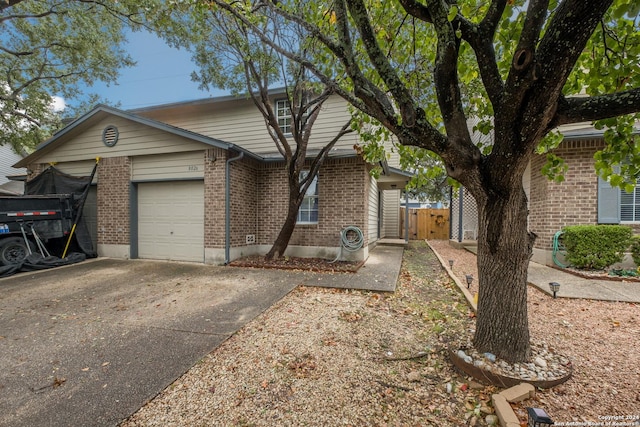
[282, 241]
[504, 250]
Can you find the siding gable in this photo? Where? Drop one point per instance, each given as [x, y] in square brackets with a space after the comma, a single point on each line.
[7, 159]
[134, 139]
[239, 122]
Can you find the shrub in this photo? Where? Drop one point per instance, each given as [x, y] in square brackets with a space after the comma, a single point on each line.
[596, 247]
[635, 250]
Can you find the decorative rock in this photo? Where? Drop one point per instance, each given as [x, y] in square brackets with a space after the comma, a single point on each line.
[545, 365]
[487, 410]
[414, 376]
[540, 362]
[491, 420]
[490, 357]
[449, 387]
[475, 385]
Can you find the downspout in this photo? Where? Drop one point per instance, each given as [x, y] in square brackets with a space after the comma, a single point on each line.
[227, 206]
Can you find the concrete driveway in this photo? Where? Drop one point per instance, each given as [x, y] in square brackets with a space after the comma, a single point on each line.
[89, 344]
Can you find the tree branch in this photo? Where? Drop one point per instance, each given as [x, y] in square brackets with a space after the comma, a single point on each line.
[564, 40]
[324, 153]
[374, 100]
[583, 109]
[314, 32]
[417, 10]
[491, 20]
[380, 62]
[446, 76]
[5, 4]
[522, 73]
[481, 41]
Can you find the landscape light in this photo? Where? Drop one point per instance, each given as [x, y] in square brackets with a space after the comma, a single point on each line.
[469, 280]
[538, 418]
[555, 287]
[451, 263]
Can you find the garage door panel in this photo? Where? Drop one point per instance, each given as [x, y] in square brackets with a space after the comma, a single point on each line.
[171, 220]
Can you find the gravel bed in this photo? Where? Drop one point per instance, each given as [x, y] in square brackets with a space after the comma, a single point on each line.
[325, 357]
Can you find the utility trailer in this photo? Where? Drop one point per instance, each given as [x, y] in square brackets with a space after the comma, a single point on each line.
[27, 222]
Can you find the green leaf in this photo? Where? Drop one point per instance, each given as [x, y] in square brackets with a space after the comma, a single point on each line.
[453, 12]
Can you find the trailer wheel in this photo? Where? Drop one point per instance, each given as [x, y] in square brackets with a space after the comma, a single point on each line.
[13, 250]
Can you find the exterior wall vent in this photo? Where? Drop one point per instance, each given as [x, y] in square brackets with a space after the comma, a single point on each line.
[110, 136]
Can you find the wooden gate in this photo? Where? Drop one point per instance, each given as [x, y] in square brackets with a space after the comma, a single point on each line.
[432, 224]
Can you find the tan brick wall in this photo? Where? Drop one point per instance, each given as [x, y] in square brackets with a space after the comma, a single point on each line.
[342, 201]
[214, 198]
[571, 202]
[244, 203]
[114, 174]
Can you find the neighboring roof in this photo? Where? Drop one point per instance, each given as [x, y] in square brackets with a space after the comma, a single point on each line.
[585, 130]
[12, 188]
[203, 101]
[100, 110]
[393, 178]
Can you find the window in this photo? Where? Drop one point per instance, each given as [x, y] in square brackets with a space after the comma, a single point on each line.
[308, 212]
[283, 115]
[615, 205]
[630, 205]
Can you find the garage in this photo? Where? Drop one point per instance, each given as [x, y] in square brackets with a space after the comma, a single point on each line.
[171, 220]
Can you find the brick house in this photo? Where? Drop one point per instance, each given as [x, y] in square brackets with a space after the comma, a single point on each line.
[581, 199]
[168, 175]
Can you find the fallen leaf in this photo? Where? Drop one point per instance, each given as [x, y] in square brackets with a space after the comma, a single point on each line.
[84, 369]
[106, 363]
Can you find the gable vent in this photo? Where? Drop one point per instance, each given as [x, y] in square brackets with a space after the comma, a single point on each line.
[110, 136]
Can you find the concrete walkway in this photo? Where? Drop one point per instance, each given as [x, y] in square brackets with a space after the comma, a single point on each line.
[572, 286]
[379, 273]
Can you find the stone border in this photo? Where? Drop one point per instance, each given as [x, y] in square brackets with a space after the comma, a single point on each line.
[452, 275]
[493, 378]
[501, 403]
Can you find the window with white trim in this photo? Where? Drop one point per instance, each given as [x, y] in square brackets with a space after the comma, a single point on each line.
[630, 205]
[308, 212]
[283, 115]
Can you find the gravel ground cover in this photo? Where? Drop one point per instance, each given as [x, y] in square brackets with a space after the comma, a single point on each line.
[324, 357]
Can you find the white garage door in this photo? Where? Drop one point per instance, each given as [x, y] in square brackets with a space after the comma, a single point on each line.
[171, 220]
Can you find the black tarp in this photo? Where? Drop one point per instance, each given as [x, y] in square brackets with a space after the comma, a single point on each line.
[53, 181]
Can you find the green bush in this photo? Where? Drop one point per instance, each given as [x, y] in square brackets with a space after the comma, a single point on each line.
[596, 247]
[635, 250]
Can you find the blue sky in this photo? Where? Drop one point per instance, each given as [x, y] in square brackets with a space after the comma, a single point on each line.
[162, 75]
